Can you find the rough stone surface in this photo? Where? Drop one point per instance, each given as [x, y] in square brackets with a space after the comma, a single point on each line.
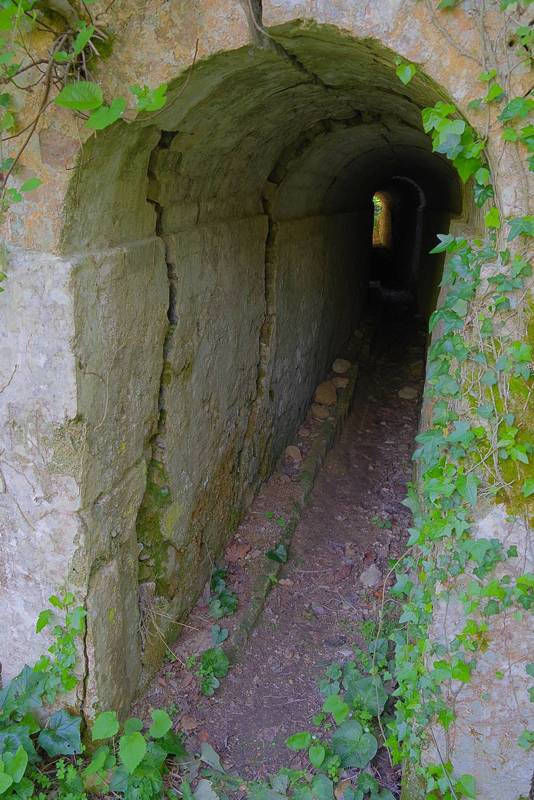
[326, 394]
[340, 382]
[407, 393]
[292, 453]
[319, 412]
[340, 366]
[371, 576]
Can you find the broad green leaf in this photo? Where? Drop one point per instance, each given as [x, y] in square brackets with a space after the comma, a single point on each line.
[132, 725]
[61, 737]
[316, 754]
[337, 707]
[5, 782]
[354, 746]
[367, 693]
[466, 784]
[161, 723]
[528, 487]
[150, 99]
[132, 749]
[80, 96]
[16, 763]
[105, 116]
[218, 634]
[204, 791]
[299, 741]
[278, 553]
[105, 726]
[322, 788]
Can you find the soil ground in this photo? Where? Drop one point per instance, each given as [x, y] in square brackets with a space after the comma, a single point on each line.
[320, 607]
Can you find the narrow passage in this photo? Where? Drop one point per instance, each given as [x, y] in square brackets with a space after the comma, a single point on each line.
[328, 594]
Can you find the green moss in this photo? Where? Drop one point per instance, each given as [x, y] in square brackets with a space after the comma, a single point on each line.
[151, 530]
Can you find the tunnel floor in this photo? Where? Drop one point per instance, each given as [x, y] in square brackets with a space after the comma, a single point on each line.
[353, 525]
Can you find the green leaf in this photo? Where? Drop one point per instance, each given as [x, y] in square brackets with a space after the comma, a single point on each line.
[209, 756]
[132, 749]
[215, 662]
[322, 788]
[132, 725]
[105, 726]
[161, 723]
[368, 693]
[80, 96]
[518, 108]
[218, 634]
[354, 746]
[299, 741]
[316, 754]
[278, 553]
[520, 226]
[61, 737]
[528, 487]
[29, 186]
[405, 72]
[495, 92]
[337, 707]
[45, 617]
[105, 116]
[150, 99]
[16, 763]
[493, 218]
[5, 782]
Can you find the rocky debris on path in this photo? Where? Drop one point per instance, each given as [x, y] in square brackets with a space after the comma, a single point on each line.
[408, 393]
[341, 365]
[292, 453]
[319, 412]
[326, 394]
[340, 383]
[371, 576]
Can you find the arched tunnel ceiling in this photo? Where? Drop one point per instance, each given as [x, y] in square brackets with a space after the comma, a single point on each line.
[323, 111]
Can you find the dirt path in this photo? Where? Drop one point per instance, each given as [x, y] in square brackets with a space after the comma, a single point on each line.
[351, 528]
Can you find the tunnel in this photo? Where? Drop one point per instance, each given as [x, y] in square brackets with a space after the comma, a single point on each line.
[225, 251]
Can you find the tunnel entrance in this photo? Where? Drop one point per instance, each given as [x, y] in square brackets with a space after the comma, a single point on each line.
[233, 244]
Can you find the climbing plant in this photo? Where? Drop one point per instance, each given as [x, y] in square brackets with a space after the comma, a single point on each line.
[478, 445]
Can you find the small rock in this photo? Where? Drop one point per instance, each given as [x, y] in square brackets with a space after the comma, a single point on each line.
[340, 383]
[326, 394]
[408, 393]
[319, 412]
[341, 365]
[292, 453]
[370, 576]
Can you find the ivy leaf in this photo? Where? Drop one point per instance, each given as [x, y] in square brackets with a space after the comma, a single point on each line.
[161, 723]
[466, 785]
[299, 741]
[495, 93]
[518, 108]
[405, 72]
[132, 749]
[150, 99]
[520, 226]
[44, 619]
[29, 186]
[105, 116]
[493, 218]
[354, 746]
[80, 96]
[61, 737]
[106, 725]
